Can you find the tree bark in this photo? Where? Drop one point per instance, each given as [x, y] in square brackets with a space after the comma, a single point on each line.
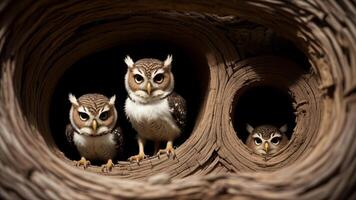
[40, 40]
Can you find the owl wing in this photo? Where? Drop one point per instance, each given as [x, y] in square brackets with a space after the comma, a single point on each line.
[118, 138]
[178, 109]
[69, 134]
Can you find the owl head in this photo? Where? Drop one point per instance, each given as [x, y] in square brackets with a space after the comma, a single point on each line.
[92, 114]
[266, 139]
[148, 80]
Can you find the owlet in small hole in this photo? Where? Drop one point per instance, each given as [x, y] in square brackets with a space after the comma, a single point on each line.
[266, 140]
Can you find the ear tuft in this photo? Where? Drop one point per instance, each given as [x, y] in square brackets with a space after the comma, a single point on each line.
[112, 100]
[129, 62]
[168, 61]
[249, 128]
[73, 99]
[283, 128]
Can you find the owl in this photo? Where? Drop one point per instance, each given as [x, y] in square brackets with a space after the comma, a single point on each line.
[266, 139]
[155, 111]
[93, 129]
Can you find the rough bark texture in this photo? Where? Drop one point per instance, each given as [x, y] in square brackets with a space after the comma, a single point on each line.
[40, 39]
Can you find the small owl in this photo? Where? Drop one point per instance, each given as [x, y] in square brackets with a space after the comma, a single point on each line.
[266, 139]
[93, 129]
[155, 111]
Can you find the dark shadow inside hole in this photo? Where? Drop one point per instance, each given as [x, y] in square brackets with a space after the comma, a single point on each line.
[263, 105]
[103, 72]
[283, 47]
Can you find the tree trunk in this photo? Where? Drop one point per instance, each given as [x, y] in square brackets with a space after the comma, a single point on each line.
[302, 49]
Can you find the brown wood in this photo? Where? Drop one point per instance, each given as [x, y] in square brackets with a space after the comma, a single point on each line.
[40, 40]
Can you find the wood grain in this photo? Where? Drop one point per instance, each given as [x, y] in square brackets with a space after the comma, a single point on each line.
[40, 40]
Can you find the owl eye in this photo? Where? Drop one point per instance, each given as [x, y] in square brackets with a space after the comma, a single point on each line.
[158, 78]
[104, 115]
[258, 141]
[83, 116]
[275, 140]
[138, 78]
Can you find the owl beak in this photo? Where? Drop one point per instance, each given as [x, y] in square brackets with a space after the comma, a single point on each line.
[148, 88]
[94, 125]
[266, 147]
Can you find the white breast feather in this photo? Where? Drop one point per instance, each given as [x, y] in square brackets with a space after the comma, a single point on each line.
[152, 121]
[95, 148]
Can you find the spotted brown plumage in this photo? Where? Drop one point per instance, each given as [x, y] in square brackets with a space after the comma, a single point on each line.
[93, 128]
[154, 110]
[266, 130]
[148, 65]
[116, 132]
[266, 140]
[93, 102]
[178, 109]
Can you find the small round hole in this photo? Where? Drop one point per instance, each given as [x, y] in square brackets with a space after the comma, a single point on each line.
[261, 105]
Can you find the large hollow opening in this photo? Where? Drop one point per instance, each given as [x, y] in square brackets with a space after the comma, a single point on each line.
[104, 71]
[260, 105]
[93, 64]
[41, 39]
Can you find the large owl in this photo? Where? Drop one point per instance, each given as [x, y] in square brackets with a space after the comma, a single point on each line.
[154, 110]
[93, 129]
[266, 139]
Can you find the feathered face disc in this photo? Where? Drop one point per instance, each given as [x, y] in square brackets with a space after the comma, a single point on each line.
[93, 114]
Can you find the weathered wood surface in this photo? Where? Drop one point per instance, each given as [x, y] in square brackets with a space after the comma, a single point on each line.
[39, 40]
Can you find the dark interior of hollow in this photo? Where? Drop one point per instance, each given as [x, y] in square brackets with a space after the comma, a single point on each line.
[263, 105]
[104, 71]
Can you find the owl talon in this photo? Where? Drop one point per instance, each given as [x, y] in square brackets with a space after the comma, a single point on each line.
[108, 166]
[138, 157]
[169, 151]
[83, 162]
